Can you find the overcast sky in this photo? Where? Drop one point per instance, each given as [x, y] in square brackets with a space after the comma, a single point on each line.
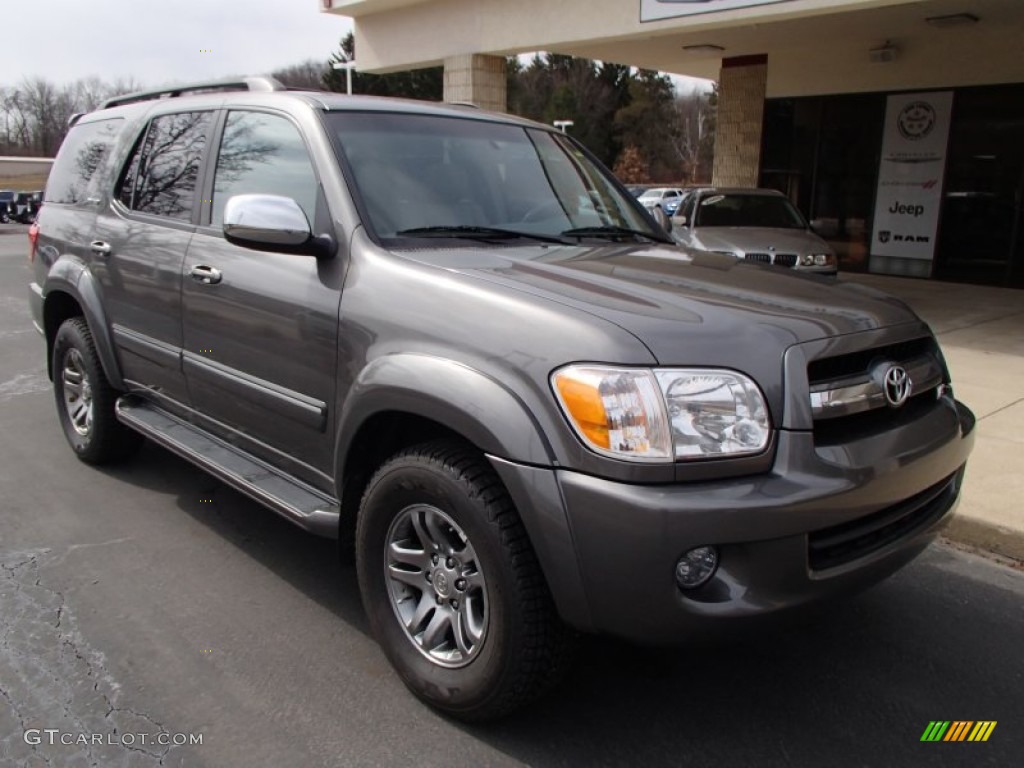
[159, 41]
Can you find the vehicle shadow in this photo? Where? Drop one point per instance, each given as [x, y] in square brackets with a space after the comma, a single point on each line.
[855, 683]
[310, 563]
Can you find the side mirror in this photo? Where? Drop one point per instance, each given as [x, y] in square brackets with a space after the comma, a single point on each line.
[659, 216]
[269, 223]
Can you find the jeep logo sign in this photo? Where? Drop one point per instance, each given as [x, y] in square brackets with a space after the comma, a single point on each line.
[910, 176]
[905, 209]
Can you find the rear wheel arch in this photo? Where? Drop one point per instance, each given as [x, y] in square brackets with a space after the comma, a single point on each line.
[57, 307]
[64, 301]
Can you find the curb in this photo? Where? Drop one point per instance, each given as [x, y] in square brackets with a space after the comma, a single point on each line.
[986, 536]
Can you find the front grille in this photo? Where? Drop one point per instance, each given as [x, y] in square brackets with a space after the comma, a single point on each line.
[858, 426]
[841, 544]
[859, 363]
[778, 259]
[848, 393]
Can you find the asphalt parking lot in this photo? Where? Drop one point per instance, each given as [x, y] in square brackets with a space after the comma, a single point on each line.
[151, 599]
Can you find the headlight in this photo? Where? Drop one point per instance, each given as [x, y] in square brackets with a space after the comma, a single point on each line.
[615, 411]
[714, 413]
[819, 259]
[658, 415]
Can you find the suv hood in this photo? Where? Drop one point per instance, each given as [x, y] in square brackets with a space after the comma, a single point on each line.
[759, 240]
[687, 307]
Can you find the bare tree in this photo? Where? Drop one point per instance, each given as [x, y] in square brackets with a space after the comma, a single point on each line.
[693, 133]
[17, 134]
[309, 74]
[34, 115]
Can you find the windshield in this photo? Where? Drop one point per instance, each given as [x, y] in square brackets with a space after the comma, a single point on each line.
[739, 210]
[427, 175]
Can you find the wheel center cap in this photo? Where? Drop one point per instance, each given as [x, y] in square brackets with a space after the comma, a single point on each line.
[442, 583]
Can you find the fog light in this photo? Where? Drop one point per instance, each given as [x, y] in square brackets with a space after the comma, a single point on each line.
[696, 567]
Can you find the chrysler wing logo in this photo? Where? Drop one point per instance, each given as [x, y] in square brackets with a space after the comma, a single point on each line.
[897, 386]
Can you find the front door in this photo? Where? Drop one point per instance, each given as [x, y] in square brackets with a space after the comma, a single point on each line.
[260, 337]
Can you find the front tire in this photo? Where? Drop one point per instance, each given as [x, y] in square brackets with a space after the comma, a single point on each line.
[85, 399]
[451, 585]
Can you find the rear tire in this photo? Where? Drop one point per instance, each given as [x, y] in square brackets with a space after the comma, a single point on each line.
[85, 399]
[451, 585]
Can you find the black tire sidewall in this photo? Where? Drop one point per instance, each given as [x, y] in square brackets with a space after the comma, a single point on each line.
[408, 481]
[93, 447]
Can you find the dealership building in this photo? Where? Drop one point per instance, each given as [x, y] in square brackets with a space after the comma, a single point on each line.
[896, 126]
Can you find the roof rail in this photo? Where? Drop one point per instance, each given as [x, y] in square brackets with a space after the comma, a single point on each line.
[259, 83]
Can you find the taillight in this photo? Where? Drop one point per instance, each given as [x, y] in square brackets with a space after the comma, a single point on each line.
[33, 240]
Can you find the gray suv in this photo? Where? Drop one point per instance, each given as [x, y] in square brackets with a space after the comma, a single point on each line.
[453, 340]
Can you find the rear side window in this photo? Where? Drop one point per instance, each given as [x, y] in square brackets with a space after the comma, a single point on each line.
[263, 154]
[163, 170]
[76, 170]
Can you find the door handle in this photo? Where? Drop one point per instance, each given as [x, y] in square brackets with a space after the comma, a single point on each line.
[205, 275]
[100, 248]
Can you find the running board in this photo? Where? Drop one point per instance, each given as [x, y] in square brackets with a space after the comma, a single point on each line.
[290, 498]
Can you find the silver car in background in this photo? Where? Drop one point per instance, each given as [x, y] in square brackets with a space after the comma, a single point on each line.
[759, 225]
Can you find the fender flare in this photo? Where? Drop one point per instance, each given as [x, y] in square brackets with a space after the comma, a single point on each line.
[477, 406]
[69, 276]
[498, 422]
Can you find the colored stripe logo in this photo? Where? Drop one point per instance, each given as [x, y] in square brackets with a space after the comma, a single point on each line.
[958, 730]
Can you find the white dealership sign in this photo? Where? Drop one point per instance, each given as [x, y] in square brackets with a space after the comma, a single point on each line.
[653, 10]
[910, 175]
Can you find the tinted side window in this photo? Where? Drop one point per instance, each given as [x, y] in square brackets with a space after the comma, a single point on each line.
[163, 169]
[263, 154]
[75, 171]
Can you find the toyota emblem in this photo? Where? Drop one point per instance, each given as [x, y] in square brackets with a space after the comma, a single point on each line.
[897, 386]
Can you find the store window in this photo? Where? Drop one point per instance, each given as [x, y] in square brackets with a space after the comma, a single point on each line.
[823, 153]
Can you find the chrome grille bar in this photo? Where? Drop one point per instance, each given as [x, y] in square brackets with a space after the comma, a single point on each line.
[832, 400]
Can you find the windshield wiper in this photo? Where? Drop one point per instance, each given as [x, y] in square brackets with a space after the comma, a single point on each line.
[478, 233]
[611, 232]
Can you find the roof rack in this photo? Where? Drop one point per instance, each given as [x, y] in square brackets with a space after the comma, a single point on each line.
[260, 83]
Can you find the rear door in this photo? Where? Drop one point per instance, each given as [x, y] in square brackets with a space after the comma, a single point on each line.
[141, 240]
[260, 341]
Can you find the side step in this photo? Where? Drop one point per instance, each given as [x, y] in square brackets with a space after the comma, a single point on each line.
[293, 500]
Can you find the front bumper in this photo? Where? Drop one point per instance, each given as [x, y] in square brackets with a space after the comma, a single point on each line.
[822, 523]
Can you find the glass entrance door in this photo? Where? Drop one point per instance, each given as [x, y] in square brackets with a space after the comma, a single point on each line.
[981, 231]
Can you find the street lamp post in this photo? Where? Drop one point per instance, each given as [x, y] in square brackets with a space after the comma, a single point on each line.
[563, 124]
[348, 65]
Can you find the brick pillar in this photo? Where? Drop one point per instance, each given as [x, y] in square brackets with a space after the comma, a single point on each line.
[741, 91]
[477, 79]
